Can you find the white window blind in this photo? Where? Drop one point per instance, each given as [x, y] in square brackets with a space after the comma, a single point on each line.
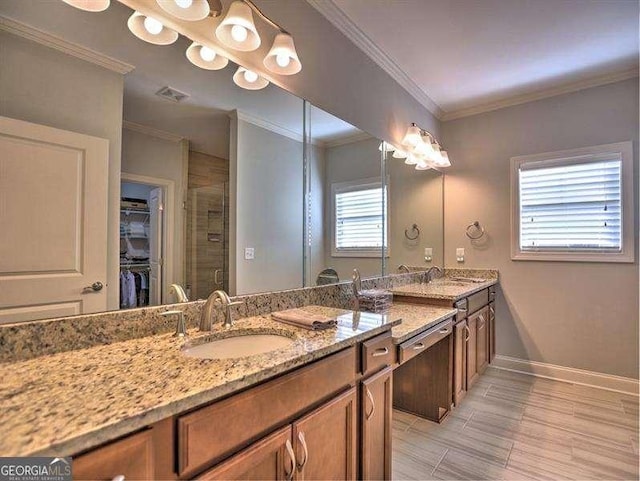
[359, 219]
[571, 206]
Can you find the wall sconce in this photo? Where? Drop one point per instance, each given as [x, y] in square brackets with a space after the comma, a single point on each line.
[420, 148]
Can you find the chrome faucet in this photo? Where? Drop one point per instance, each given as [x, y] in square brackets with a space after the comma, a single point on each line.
[178, 290]
[404, 267]
[431, 270]
[221, 298]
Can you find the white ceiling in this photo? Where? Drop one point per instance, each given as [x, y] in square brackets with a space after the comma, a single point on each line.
[462, 54]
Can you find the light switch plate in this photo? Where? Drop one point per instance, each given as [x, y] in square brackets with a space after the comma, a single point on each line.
[428, 254]
[460, 254]
[249, 253]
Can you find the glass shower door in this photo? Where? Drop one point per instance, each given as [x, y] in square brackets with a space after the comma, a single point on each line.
[207, 240]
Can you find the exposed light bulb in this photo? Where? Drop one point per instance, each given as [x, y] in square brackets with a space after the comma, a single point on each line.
[250, 76]
[207, 54]
[239, 33]
[153, 26]
[184, 3]
[283, 60]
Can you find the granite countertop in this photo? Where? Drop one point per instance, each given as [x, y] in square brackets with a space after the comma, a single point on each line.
[416, 318]
[61, 404]
[443, 288]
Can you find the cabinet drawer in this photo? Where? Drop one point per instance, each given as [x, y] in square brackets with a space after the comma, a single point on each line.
[214, 432]
[478, 300]
[424, 341]
[377, 353]
[131, 457]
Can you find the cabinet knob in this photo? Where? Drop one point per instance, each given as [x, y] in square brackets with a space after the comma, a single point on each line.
[119, 477]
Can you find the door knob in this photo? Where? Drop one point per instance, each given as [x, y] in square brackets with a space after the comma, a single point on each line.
[95, 287]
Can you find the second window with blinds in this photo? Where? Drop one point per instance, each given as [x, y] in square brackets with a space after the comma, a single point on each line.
[573, 205]
[359, 224]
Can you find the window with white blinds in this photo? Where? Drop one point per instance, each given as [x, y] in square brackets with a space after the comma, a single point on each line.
[359, 218]
[572, 207]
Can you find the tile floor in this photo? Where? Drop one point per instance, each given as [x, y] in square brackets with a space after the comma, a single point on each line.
[512, 426]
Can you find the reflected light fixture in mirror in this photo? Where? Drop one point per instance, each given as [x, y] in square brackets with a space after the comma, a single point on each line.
[89, 5]
[248, 79]
[190, 10]
[283, 58]
[237, 30]
[151, 30]
[205, 57]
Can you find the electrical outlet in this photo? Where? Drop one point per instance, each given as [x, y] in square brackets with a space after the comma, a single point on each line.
[428, 254]
[460, 254]
[249, 253]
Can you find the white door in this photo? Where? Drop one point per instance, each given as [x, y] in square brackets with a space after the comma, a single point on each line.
[53, 222]
[155, 247]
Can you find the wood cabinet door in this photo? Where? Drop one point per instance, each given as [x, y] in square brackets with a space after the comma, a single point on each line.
[472, 349]
[131, 457]
[270, 459]
[459, 361]
[325, 441]
[482, 340]
[375, 419]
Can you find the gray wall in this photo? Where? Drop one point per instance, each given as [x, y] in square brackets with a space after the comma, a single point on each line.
[415, 197]
[341, 79]
[265, 210]
[44, 86]
[580, 315]
[154, 157]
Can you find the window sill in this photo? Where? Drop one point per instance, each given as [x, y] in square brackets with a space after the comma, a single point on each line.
[618, 257]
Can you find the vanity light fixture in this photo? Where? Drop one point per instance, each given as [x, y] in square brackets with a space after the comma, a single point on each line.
[237, 30]
[151, 30]
[190, 10]
[89, 5]
[400, 154]
[248, 79]
[283, 58]
[422, 149]
[205, 57]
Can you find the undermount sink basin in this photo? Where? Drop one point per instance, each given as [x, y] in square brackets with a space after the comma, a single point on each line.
[235, 347]
[463, 280]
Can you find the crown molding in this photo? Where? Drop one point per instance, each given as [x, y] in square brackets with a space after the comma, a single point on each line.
[145, 129]
[343, 23]
[542, 94]
[268, 125]
[350, 139]
[49, 40]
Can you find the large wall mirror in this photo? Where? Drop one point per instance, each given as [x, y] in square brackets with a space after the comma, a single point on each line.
[216, 190]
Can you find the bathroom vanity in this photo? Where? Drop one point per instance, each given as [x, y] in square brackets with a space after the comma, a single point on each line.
[473, 325]
[142, 409]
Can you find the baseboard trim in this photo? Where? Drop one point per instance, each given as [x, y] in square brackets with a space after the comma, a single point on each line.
[567, 374]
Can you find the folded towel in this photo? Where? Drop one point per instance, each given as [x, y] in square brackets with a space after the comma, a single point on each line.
[305, 319]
